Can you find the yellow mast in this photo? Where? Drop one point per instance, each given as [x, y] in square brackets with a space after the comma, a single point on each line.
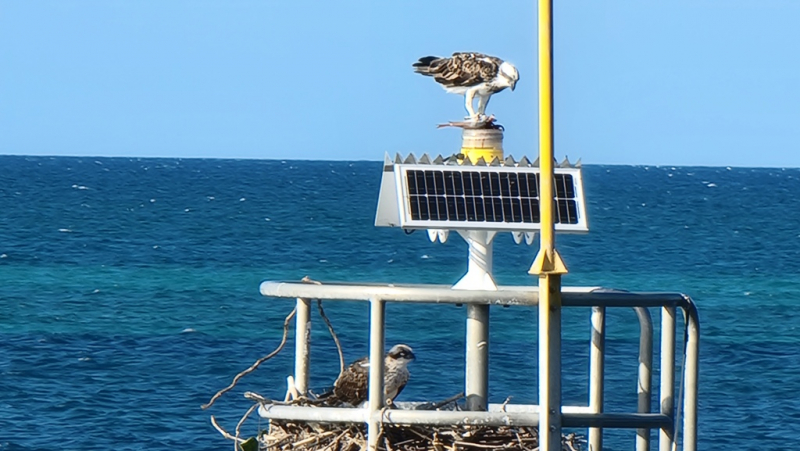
[548, 264]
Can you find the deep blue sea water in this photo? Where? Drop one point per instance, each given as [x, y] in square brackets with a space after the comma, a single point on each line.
[129, 293]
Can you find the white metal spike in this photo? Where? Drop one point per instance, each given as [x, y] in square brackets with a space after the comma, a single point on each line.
[438, 160]
[424, 159]
[525, 162]
[565, 163]
[466, 162]
[443, 234]
[411, 159]
[577, 164]
[535, 163]
[529, 236]
[495, 162]
[387, 160]
[518, 236]
[433, 235]
[480, 162]
[510, 161]
[398, 159]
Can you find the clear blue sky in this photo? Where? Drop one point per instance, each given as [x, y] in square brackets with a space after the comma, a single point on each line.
[700, 82]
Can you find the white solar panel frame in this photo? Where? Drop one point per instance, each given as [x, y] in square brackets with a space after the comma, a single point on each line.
[404, 200]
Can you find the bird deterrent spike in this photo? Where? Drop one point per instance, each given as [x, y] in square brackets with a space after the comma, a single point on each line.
[509, 161]
[525, 162]
[565, 163]
[424, 159]
[438, 160]
[577, 164]
[411, 159]
[398, 159]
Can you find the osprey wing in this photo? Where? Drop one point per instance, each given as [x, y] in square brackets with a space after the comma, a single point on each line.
[394, 392]
[465, 69]
[351, 387]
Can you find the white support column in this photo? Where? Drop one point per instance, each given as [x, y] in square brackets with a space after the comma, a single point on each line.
[478, 277]
[477, 374]
[302, 337]
[377, 310]
[479, 272]
[666, 438]
[597, 373]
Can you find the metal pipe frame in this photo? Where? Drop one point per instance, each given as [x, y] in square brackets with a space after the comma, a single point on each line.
[529, 418]
[597, 355]
[477, 357]
[645, 380]
[302, 337]
[666, 437]
[377, 315]
[572, 416]
[597, 376]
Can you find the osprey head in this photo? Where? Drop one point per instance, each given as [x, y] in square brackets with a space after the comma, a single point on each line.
[509, 74]
[400, 353]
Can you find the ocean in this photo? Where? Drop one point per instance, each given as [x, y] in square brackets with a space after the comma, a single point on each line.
[129, 293]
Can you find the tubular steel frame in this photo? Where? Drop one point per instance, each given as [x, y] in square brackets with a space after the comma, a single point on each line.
[592, 417]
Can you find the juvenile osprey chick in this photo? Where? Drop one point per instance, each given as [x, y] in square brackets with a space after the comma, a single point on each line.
[470, 74]
[353, 384]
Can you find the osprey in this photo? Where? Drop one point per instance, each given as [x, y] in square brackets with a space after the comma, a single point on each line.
[353, 384]
[470, 74]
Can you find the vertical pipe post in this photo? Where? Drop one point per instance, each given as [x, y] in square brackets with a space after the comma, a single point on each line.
[302, 338]
[691, 371]
[666, 437]
[477, 373]
[377, 310]
[548, 265]
[597, 373]
[478, 277]
[645, 383]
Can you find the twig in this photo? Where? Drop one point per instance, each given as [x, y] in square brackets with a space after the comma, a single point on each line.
[240, 423]
[291, 389]
[333, 334]
[476, 445]
[258, 362]
[224, 433]
[505, 403]
[424, 437]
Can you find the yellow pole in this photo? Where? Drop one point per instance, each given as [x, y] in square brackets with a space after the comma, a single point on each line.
[548, 264]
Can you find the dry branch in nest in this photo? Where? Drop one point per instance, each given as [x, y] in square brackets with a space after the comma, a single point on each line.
[285, 435]
[298, 435]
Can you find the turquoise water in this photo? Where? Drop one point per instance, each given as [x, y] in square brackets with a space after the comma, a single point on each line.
[129, 293]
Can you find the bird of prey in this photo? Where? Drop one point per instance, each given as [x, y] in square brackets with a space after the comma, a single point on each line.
[353, 384]
[470, 74]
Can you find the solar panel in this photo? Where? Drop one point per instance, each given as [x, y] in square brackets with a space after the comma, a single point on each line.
[431, 196]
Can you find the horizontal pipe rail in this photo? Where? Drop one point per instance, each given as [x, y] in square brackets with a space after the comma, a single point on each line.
[445, 294]
[514, 417]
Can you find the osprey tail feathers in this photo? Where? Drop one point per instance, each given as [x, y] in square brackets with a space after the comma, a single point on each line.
[423, 66]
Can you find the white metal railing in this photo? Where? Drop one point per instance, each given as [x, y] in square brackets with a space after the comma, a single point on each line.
[592, 417]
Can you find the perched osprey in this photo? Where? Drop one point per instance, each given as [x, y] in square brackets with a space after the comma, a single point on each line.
[470, 74]
[353, 384]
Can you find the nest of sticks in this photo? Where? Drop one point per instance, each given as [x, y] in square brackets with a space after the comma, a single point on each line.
[299, 436]
[296, 435]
